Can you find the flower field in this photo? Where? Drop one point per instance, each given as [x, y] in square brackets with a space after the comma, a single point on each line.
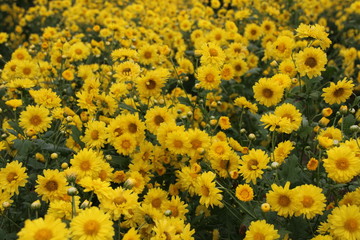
[179, 120]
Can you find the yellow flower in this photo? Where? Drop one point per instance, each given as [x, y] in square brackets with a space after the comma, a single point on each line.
[14, 103]
[95, 134]
[35, 118]
[252, 31]
[283, 200]
[47, 228]
[253, 164]
[244, 192]
[125, 144]
[344, 222]
[312, 164]
[92, 223]
[45, 97]
[339, 92]
[312, 200]
[152, 83]
[311, 62]
[78, 51]
[290, 113]
[267, 92]
[211, 54]
[209, 77]
[342, 165]
[52, 185]
[206, 189]
[12, 177]
[282, 151]
[86, 162]
[261, 230]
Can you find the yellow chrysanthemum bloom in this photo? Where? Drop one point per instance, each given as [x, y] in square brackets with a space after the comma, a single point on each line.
[95, 134]
[342, 165]
[344, 222]
[86, 162]
[205, 187]
[268, 92]
[209, 77]
[244, 192]
[35, 118]
[312, 199]
[52, 185]
[311, 62]
[211, 54]
[14, 103]
[46, 98]
[339, 92]
[261, 230]
[47, 228]
[92, 223]
[282, 151]
[12, 177]
[291, 113]
[252, 165]
[283, 200]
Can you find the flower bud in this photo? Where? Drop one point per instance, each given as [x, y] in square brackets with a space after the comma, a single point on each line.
[85, 204]
[35, 205]
[72, 191]
[265, 207]
[64, 165]
[6, 204]
[54, 156]
[275, 165]
[252, 136]
[168, 213]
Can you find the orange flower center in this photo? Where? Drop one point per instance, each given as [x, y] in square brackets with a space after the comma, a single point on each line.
[205, 191]
[51, 186]
[307, 201]
[11, 177]
[119, 200]
[35, 120]
[284, 201]
[147, 55]
[85, 165]
[95, 135]
[253, 164]
[224, 164]
[91, 227]
[78, 51]
[156, 203]
[342, 164]
[43, 234]
[219, 150]
[26, 71]
[259, 236]
[310, 62]
[351, 225]
[126, 144]
[213, 52]
[196, 143]
[210, 78]
[178, 144]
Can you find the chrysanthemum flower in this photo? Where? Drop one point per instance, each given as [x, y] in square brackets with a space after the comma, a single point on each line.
[152, 83]
[261, 230]
[341, 164]
[311, 62]
[211, 54]
[344, 222]
[209, 77]
[12, 177]
[47, 228]
[312, 200]
[86, 162]
[206, 189]
[92, 223]
[52, 185]
[290, 112]
[125, 144]
[267, 92]
[283, 200]
[244, 192]
[282, 151]
[35, 118]
[253, 164]
[95, 134]
[339, 92]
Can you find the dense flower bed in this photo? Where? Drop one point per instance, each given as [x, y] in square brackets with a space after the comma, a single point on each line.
[171, 119]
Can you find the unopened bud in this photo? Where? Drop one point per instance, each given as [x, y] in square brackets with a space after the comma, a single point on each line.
[35, 205]
[265, 207]
[354, 128]
[6, 204]
[54, 156]
[168, 213]
[72, 191]
[252, 136]
[129, 183]
[108, 157]
[85, 204]
[64, 165]
[275, 165]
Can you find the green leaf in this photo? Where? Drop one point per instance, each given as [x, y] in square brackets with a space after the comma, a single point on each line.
[290, 170]
[75, 134]
[184, 100]
[348, 121]
[127, 107]
[16, 127]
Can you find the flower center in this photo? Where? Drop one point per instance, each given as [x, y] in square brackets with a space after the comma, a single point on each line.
[238, 67]
[26, 71]
[178, 144]
[196, 143]
[126, 144]
[78, 51]
[51, 186]
[147, 55]
[210, 78]
[91, 227]
[35, 120]
[245, 194]
[95, 135]
[267, 93]
[224, 164]
[174, 211]
[11, 177]
[351, 225]
[43, 234]
[119, 200]
[132, 128]
[85, 165]
[310, 62]
[259, 236]
[118, 132]
[213, 52]
[158, 120]
[126, 71]
[281, 47]
[342, 164]
[253, 32]
[156, 203]
[339, 92]
[307, 201]
[219, 150]
[284, 201]
[205, 191]
[150, 84]
[253, 164]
